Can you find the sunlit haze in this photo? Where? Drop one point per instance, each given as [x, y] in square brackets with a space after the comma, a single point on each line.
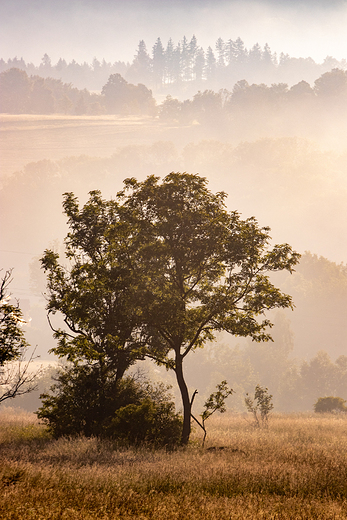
[263, 123]
[84, 29]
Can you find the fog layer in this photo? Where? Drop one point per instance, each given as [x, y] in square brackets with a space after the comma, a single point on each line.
[111, 29]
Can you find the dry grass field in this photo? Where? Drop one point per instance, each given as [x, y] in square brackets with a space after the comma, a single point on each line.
[31, 138]
[295, 469]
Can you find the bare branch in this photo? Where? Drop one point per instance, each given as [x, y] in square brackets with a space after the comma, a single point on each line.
[16, 378]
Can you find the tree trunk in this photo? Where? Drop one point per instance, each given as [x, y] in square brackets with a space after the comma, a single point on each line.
[185, 399]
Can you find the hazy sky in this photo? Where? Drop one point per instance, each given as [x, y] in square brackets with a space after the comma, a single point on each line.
[111, 29]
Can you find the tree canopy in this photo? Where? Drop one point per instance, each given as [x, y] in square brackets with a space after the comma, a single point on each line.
[96, 297]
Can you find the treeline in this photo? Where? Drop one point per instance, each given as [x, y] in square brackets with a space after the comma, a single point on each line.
[329, 91]
[23, 94]
[295, 384]
[185, 65]
[81, 75]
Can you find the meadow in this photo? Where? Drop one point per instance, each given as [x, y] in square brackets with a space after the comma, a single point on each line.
[294, 469]
[54, 137]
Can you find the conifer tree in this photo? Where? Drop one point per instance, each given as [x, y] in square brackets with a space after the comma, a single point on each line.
[158, 63]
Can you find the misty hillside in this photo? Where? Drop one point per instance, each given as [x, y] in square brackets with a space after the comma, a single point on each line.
[286, 183]
[246, 112]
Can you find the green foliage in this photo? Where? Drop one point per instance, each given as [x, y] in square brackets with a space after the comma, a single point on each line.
[330, 404]
[262, 403]
[89, 401]
[12, 341]
[96, 297]
[84, 398]
[156, 272]
[15, 379]
[206, 270]
[214, 403]
[150, 422]
[75, 405]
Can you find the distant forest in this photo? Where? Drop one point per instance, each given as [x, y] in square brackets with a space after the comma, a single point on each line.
[185, 67]
[23, 94]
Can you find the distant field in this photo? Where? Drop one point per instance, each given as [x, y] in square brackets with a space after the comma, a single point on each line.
[30, 138]
[296, 469]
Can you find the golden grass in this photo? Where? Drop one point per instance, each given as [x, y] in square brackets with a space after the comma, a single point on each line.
[296, 469]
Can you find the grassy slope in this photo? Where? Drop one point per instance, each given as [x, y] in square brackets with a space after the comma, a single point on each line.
[295, 469]
[31, 138]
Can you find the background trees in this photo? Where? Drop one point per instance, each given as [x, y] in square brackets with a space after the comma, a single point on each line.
[121, 97]
[183, 65]
[256, 107]
[36, 95]
[15, 91]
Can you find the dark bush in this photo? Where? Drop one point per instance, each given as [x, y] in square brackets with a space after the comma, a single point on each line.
[330, 404]
[89, 401]
[149, 422]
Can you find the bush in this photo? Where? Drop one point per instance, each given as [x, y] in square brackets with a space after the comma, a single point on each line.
[330, 404]
[149, 422]
[262, 403]
[89, 401]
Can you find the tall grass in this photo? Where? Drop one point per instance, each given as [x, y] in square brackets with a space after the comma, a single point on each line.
[295, 469]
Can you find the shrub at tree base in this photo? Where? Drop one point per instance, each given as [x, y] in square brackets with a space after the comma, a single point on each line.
[131, 411]
[147, 423]
[330, 404]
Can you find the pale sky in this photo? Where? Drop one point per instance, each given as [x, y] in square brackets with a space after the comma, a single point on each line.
[111, 29]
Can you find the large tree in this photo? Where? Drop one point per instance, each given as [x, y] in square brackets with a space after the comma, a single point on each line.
[157, 271]
[205, 270]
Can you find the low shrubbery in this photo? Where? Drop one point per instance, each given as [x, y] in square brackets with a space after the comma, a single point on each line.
[87, 401]
[151, 422]
[260, 406]
[330, 404]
